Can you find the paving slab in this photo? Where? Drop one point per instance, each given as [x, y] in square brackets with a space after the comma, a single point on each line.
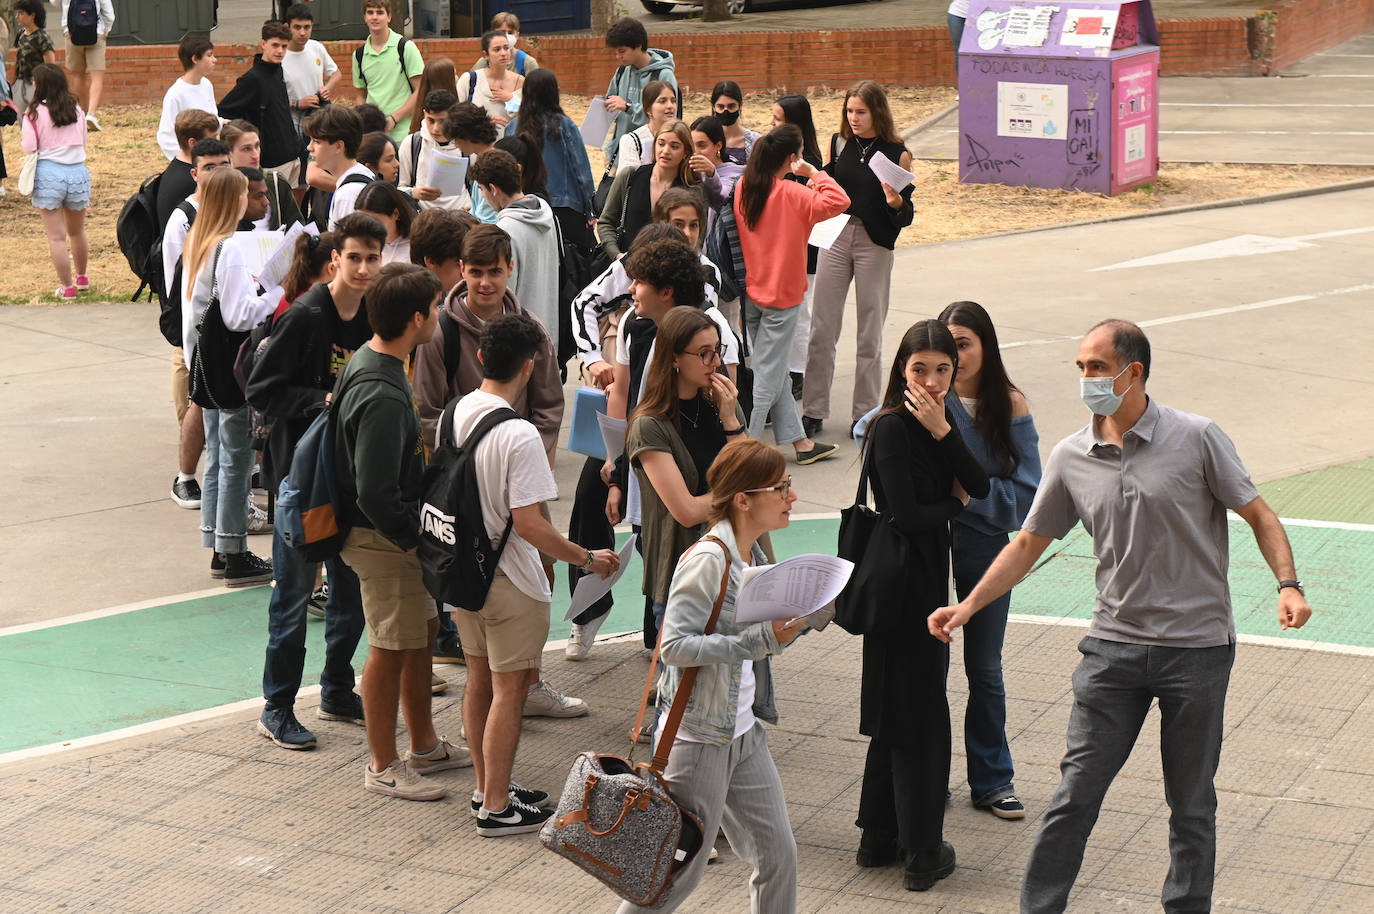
[1320, 112]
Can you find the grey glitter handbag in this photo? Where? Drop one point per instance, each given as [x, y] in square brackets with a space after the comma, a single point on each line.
[618, 822]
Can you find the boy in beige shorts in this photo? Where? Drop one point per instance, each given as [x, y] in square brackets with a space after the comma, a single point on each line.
[85, 63]
[382, 466]
[504, 638]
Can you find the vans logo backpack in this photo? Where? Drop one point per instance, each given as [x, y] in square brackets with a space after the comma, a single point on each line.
[456, 553]
[83, 21]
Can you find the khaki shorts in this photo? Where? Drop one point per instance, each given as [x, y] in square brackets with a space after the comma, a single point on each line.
[181, 385]
[510, 630]
[396, 605]
[90, 57]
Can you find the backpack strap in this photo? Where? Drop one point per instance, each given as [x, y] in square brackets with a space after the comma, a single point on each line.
[689, 675]
[416, 144]
[355, 178]
[358, 65]
[472, 83]
[453, 341]
[520, 61]
[639, 145]
[401, 53]
[446, 423]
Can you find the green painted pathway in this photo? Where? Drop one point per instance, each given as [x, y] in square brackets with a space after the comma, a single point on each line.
[93, 676]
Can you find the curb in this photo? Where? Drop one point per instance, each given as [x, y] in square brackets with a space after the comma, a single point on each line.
[930, 121]
[1175, 210]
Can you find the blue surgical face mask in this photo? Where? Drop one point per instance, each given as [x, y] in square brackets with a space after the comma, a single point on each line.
[1098, 395]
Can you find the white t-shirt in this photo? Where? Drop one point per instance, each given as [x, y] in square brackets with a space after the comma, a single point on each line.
[481, 95]
[174, 240]
[744, 710]
[307, 70]
[632, 154]
[346, 196]
[397, 251]
[182, 96]
[622, 356]
[512, 472]
[959, 8]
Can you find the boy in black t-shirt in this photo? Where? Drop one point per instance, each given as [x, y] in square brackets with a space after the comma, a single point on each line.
[312, 341]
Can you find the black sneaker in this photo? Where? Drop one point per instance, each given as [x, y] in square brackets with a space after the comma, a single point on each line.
[350, 710]
[527, 795]
[186, 493]
[244, 568]
[448, 653]
[1008, 807]
[315, 605]
[812, 427]
[281, 727]
[217, 565]
[516, 819]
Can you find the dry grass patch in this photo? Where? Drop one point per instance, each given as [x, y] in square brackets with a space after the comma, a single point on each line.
[125, 153]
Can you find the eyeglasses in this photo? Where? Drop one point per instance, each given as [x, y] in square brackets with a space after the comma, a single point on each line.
[781, 488]
[713, 354]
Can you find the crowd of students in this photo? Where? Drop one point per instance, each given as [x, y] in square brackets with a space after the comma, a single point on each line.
[416, 314]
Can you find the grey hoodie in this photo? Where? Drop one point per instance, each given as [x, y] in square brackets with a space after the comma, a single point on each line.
[534, 242]
[629, 83]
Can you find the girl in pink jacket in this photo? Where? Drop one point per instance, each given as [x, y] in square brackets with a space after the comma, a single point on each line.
[54, 126]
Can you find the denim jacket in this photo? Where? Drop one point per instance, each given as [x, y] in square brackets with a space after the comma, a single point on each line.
[569, 182]
[712, 709]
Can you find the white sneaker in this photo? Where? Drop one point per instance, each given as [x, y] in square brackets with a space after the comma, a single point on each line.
[579, 644]
[396, 780]
[257, 520]
[443, 757]
[544, 701]
[92, 123]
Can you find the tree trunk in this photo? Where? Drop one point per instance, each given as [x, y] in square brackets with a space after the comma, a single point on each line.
[714, 11]
[603, 15]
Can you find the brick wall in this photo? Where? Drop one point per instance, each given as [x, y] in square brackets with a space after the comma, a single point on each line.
[796, 61]
[1301, 28]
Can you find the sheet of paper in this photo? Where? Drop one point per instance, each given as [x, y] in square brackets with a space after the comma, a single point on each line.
[278, 263]
[256, 247]
[792, 588]
[613, 433]
[823, 234]
[597, 122]
[448, 172]
[1028, 27]
[592, 587]
[890, 173]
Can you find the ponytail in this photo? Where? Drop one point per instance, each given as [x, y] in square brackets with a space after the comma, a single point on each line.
[770, 153]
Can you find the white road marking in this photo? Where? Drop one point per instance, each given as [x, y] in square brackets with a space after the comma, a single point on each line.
[113, 611]
[1247, 245]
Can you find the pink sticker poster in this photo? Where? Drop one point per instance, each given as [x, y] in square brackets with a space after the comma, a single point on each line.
[1135, 122]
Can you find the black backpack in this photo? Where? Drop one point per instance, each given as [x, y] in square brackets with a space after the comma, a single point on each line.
[169, 299]
[137, 230]
[83, 22]
[455, 552]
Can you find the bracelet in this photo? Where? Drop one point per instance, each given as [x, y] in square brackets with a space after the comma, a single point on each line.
[612, 485]
[729, 432]
[587, 565]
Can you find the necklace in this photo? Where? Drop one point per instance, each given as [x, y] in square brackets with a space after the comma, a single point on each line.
[693, 419]
[866, 151]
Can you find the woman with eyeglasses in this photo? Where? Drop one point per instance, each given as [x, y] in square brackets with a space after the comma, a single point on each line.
[923, 475]
[686, 415]
[775, 217]
[719, 766]
[727, 104]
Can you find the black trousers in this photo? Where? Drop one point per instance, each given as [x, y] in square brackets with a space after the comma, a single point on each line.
[589, 528]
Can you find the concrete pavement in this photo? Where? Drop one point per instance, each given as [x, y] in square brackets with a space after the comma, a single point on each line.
[1321, 112]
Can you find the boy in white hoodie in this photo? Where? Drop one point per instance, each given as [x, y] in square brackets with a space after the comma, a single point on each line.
[416, 153]
[533, 233]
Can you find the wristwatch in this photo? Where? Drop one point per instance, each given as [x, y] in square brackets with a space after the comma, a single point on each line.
[1296, 584]
[591, 559]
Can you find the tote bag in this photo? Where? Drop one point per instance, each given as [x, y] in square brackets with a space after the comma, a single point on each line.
[212, 361]
[882, 559]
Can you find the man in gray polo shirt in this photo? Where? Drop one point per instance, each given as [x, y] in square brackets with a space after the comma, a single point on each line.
[1152, 486]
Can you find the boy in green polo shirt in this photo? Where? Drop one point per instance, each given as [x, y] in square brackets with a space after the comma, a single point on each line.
[388, 67]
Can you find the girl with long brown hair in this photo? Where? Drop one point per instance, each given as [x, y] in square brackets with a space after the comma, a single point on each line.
[688, 411]
[54, 127]
[630, 204]
[862, 253]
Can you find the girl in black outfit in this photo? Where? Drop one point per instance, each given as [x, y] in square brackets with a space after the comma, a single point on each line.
[630, 203]
[923, 475]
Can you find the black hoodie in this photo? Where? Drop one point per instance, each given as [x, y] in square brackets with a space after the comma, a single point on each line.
[259, 97]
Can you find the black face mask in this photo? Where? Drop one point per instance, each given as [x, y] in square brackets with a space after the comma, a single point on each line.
[727, 118]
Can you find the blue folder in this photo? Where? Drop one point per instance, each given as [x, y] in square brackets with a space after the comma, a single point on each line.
[585, 436]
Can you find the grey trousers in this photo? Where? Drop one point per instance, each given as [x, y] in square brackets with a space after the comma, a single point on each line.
[735, 786]
[770, 342]
[1113, 688]
[852, 256]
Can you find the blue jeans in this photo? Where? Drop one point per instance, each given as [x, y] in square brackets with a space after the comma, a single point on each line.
[985, 720]
[228, 470]
[1113, 688]
[286, 621]
[446, 639]
[956, 34]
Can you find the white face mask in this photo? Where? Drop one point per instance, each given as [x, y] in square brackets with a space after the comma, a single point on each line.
[1098, 395]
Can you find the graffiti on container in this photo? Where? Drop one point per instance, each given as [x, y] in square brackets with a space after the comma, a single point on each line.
[1082, 139]
[982, 160]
